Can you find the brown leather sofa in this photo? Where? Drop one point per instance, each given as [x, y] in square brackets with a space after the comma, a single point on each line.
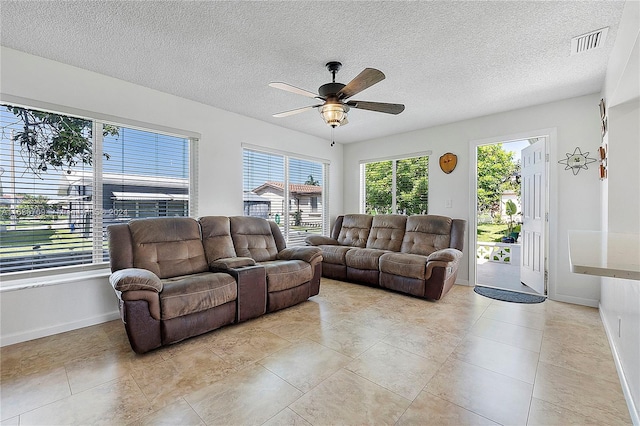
[180, 277]
[417, 255]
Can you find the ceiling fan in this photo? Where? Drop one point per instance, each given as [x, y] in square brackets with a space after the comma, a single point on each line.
[336, 105]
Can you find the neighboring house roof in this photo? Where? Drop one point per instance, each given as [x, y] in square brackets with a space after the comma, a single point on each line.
[255, 198]
[85, 178]
[294, 188]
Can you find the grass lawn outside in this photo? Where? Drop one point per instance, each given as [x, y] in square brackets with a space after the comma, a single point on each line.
[491, 232]
[48, 240]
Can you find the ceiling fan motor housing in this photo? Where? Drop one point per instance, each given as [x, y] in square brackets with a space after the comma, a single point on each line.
[329, 89]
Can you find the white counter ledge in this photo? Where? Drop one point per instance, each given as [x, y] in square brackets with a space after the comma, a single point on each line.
[605, 254]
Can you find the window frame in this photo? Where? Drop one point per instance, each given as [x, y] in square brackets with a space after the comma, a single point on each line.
[19, 279]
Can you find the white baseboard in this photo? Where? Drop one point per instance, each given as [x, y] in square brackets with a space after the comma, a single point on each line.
[626, 390]
[462, 282]
[24, 336]
[575, 300]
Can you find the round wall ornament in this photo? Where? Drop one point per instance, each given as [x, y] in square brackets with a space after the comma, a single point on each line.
[448, 162]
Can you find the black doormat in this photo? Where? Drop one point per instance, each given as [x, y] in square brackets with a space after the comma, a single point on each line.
[508, 296]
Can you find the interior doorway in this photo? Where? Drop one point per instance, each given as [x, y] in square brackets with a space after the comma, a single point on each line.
[510, 216]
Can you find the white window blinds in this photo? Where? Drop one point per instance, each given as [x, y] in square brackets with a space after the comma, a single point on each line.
[65, 179]
[287, 190]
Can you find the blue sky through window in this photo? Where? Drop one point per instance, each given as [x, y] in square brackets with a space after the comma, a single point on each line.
[137, 152]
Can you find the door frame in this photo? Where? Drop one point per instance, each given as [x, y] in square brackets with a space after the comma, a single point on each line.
[551, 234]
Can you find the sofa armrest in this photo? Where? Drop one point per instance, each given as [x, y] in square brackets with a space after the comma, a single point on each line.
[231, 263]
[319, 240]
[252, 291]
[305, 253]
[445, 255]
[131, 279]
[448, 259]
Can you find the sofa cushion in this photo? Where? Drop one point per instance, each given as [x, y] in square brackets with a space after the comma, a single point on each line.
[446, 255]
[387, 232]
[425, 234]
[355, 230]
[364, 258]
[308, 254]
[197, 292]
[216, 238]
[404, 265]
[168, 247]
[286, 274]
[334, 254]
[319, 240]
[252, 238]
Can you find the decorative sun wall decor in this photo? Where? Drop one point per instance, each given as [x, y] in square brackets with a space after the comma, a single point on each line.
[577, 161]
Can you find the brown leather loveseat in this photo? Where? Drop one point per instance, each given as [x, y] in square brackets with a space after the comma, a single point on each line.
[417, 255]
[180, 277]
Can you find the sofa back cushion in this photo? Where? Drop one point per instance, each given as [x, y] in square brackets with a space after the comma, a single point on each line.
[337, 226]
[425, 234]
[277, 236]
[387, 232]
[458, 231]
[252, 238]
[168, 247]
[355, 230]
[216, 237]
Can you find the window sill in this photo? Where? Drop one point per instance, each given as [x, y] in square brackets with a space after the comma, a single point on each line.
[21, 282]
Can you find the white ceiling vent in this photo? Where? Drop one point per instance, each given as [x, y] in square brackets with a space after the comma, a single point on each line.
[588, 41]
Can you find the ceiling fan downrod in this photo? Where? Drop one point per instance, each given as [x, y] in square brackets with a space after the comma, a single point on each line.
[333, 68]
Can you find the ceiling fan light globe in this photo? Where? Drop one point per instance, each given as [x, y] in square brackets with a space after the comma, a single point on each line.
[333, 114]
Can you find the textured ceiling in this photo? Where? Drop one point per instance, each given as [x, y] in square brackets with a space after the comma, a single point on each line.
[446, 61]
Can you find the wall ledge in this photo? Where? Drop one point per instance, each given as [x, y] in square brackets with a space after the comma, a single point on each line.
[17, 282]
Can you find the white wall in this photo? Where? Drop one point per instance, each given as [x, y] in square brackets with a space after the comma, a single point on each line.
[620, 299]
[575, 200]
[38, 312]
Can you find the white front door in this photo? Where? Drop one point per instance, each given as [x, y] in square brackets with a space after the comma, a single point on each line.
[534, 209]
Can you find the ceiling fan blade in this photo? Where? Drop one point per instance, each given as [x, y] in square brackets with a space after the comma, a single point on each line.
[293, 89]
[294, 111]
[367, 78]
[377, 106]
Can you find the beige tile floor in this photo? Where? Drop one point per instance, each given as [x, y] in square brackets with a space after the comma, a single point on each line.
[351, 355]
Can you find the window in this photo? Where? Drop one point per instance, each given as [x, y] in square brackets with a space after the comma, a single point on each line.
[64, 179]
[287, 190]
[396, 186]
[158, 186]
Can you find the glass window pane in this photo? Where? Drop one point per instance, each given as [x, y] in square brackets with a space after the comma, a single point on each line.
[144, 174]
[265, 180]
[412, 185]
[45, 188]
[305, 184]
[378, 187]
[50, 214]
